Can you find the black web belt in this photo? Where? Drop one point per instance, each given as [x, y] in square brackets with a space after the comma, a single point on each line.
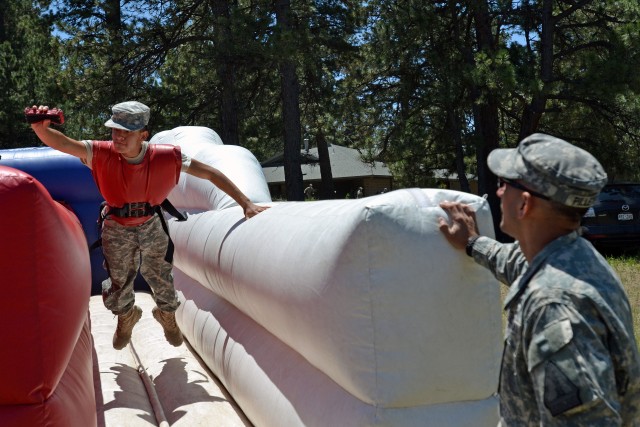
[132, 210]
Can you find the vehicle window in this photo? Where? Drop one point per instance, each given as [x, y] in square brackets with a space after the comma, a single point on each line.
[610, 195]
[623, 194]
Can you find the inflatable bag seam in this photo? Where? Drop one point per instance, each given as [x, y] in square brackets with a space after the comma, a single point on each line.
[367, 221]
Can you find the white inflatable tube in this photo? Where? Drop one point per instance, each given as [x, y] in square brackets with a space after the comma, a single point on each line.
[276, 387]
[341, 312]
[239, 164]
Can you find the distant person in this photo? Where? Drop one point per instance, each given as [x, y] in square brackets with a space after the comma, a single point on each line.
[134, 177]
[359, 193]
[310, 192]
[570, 356]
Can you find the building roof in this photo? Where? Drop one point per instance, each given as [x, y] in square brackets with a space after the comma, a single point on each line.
[345, 163]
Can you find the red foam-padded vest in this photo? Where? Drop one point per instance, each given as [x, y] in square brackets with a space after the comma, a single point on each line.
[150, 181]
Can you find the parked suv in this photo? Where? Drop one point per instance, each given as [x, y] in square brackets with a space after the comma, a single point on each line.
[614, 220]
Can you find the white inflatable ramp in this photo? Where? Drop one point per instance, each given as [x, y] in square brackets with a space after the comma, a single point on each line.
[150, 382]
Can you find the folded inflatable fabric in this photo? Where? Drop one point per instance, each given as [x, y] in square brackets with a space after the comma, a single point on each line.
[45, 362]
[343, 312]
[237, 163]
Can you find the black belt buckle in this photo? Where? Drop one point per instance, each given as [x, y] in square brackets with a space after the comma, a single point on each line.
[137, 209]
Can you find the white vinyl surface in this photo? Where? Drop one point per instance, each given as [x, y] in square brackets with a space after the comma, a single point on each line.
[357, 312]
[176, 379]
[335, 312]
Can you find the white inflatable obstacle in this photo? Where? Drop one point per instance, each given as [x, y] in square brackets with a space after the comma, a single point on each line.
[197, 195]
[341, 312]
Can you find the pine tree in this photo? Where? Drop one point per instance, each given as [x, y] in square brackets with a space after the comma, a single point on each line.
[29, 72]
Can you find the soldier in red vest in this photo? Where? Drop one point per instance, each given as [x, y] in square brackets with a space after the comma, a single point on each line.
[135, 177]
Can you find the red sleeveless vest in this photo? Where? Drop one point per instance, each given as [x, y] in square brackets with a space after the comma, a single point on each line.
[150, 181]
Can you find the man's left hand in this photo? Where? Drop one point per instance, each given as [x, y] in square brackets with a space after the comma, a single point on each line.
[252, 210]
[462, 224]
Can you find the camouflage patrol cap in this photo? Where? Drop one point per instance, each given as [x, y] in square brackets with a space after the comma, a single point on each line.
[552, 167]
[129, 115]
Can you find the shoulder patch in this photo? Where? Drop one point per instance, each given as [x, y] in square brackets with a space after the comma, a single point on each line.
[560, 394]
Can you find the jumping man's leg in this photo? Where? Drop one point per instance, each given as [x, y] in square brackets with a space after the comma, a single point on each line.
[121, 253]
[158, 274]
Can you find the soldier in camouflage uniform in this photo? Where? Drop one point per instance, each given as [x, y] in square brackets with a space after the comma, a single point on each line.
[133, 236]
[570, 356]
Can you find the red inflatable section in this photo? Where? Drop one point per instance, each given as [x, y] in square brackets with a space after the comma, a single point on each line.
[46, 370]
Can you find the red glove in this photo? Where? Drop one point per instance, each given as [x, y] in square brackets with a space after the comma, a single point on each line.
[36, 114]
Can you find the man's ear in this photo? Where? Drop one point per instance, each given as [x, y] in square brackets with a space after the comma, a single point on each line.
[526, 204]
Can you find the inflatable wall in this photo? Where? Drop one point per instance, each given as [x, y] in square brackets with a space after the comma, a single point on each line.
[350, 313]
[46, 359]
[340, 312]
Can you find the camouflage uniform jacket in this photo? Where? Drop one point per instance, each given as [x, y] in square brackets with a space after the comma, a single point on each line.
[570, 357]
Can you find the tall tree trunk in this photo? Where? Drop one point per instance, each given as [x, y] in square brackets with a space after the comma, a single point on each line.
[229, 104]
[326, 189]
[290, 111]
[533, 112]
[454, 130]
[118, 89]
[3, 25]
[486, 116]
[226, 71]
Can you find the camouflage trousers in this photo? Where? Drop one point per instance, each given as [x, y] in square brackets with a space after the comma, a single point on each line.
[129, 249]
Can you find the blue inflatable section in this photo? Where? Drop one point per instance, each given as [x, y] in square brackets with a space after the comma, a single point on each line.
[69, 182]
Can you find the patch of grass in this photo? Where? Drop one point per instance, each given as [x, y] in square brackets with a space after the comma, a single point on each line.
[628, 268]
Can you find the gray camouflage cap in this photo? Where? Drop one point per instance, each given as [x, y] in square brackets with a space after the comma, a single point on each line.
[551, 166]
[130, 115]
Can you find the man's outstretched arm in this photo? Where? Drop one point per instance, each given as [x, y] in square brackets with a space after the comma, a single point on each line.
[56, 139]
[220, 180]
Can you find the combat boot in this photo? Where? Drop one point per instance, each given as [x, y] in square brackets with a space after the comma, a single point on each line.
[126, 322]
[168, 321]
